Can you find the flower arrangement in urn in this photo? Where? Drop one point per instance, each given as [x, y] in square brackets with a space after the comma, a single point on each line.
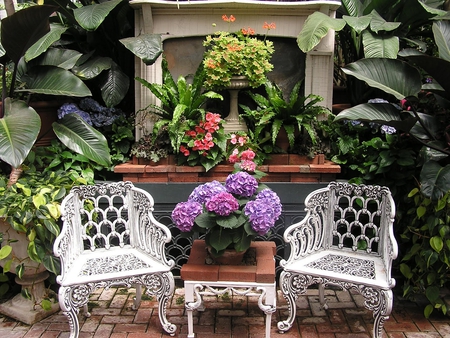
[230, 214]
[237, 54]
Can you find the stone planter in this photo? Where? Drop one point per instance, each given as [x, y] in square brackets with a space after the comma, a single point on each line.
[28, 311]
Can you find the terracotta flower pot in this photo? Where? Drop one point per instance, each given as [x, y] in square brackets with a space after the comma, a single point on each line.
[229, 257]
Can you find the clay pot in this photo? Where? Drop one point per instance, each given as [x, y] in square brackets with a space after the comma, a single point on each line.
[229, 257]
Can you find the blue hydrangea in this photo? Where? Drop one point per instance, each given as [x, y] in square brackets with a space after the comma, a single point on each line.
[388, 129]
[69, 108]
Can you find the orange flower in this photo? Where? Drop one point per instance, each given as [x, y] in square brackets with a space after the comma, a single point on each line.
[269, 26]
[248, 31]
[228, 19]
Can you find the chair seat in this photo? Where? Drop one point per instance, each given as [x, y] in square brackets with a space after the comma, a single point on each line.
[343, 265]
[115, 263]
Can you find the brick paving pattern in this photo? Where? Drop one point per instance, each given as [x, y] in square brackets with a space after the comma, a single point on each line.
[232, 316]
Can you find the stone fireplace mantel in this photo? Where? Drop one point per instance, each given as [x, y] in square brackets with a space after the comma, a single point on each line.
[183, 19]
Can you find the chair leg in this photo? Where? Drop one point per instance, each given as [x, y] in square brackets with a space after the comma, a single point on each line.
[380, 302]
[138, 297]
[322, 300]
[162, 285]
[290, 294]
[70, 305]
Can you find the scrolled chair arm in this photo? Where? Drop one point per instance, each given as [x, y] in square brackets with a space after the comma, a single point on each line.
[307, 235]
[151, 236]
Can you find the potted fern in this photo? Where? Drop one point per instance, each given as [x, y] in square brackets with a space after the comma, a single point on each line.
[295, 117]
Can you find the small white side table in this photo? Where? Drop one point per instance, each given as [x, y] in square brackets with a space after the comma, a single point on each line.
[257, 281]
[196, 289]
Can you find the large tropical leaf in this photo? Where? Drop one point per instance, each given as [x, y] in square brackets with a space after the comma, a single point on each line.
[358, 24]
[355, 8]
[315, 28]
[114, 86]
[19, 129]
[392, 76]
[441, 32]
[382, 113]
[435, 180]
[433, 66]
[380, 46]
[45, 42]
[52, 80]
[62, 58]
[22, 29]
[91, 17]
[377, 23]
[92, 68]
[148, 47]
[77, 135]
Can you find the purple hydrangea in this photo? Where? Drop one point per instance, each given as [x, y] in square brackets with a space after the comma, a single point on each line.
[264, 211]
[271, 197]
[222, 204]
[184, 214]
[241, 183]
[204, 192]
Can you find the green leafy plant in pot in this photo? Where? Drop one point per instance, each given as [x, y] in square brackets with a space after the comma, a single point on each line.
[296, 116]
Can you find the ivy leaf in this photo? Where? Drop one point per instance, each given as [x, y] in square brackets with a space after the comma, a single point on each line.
[436, 243]
[5, 251]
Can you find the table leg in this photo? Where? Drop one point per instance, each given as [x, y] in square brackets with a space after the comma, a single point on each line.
[270, 297]
[191, 304]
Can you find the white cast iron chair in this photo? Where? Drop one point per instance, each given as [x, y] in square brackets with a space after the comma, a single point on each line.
[110, 237]
[346, 239]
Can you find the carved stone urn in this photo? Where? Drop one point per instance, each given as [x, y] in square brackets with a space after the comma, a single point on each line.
[232, 122]
[28, 311]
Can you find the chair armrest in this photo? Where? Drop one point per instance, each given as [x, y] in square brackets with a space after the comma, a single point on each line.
[304, 237]
[149, 235]
[307, 235]
[68, 245]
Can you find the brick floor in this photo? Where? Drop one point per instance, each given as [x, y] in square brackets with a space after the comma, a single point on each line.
[233, 316]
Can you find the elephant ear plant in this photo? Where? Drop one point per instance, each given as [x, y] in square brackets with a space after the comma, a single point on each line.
[19, 123]
[26, 36]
